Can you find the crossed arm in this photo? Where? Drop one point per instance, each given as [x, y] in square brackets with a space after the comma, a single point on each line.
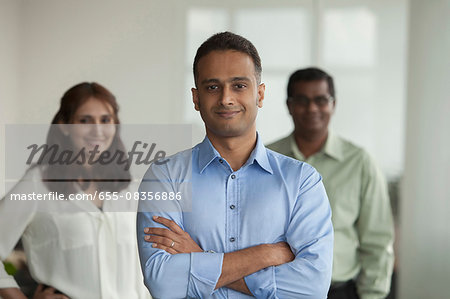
[236, 265]
[265, 271]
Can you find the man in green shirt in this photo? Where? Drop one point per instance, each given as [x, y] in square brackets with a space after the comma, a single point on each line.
[363, 247]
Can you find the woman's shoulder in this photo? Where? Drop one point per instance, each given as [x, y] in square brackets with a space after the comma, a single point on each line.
[34, 172]
[30, 182]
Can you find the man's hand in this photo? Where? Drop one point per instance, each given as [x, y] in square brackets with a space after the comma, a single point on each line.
[281, 253]
[11, 293]
[47, 293]
[173, 240]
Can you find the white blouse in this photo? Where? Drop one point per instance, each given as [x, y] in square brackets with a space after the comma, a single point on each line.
[71, 245]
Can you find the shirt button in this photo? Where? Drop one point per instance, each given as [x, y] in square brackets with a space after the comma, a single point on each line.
[232, 239]
[220, 160]
[232, 207]
[233, 176]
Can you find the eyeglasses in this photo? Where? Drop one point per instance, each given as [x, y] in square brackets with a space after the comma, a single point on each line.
[304, 101]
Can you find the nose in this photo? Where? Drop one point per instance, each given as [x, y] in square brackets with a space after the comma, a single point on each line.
[312, 106]
[97, 129]
[227, 97]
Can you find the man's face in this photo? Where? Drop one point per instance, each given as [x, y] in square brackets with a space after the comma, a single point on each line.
[227, 94]
[311, 119]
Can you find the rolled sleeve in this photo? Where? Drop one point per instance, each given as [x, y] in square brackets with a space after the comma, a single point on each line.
[262, 284]
[205, 271]
[179, 275]
[310, 235]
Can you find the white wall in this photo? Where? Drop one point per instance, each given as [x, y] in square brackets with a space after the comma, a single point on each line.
[369, 67]
[425, 206]
[131, 47]
[138, 49]
[134, 48]
[9, 71]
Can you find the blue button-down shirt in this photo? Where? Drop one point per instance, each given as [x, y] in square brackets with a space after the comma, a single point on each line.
[271, 198]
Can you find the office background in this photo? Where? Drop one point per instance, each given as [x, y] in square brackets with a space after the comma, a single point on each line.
[389, 59]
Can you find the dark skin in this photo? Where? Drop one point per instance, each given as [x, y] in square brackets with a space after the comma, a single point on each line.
[311, 122]
[228, 96]
[47, 293]
[236, 265]
[40, 293]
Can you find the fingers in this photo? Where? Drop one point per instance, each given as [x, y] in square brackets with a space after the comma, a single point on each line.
[158, 231]
[49, 290]
[163, 243]
[168, 223]
[165, 248]
[283, 253]
[172, 231]
[283, 245]
[160, 240]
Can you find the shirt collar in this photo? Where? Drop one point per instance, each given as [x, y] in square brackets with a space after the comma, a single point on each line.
[294, 148]
[332, 147]
[207, 153]
[259, 154]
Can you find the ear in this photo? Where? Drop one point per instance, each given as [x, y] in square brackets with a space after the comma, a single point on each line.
[290, 107]
[333, 107]
[261, 91]
[195, 98]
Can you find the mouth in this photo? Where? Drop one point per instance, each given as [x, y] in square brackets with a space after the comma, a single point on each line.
[227, 114]
[94, 142]
[312, 118]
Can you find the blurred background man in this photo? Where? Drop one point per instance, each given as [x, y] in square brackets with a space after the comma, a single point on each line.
[362, 218]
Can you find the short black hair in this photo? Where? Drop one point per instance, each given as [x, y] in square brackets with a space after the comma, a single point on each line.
[228, 41]
[310, 74]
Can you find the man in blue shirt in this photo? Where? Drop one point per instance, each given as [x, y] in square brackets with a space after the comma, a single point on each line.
[257, 223]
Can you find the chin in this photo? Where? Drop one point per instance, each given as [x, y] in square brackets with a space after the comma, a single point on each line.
[309, 126]
[101, 148]
[228, 132]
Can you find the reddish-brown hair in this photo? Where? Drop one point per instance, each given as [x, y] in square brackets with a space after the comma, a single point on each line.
[111, 178]
[77, 95]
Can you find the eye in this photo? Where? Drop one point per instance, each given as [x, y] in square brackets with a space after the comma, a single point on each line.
[107, 120]
[240, 85]
[212, 87]
[321, 101]
[84, 120]
[301, 100]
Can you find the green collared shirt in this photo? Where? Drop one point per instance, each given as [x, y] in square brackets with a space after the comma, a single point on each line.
[362, 217]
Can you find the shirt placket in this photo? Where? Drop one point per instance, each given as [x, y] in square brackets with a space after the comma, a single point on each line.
[232, 222]
[106, 255]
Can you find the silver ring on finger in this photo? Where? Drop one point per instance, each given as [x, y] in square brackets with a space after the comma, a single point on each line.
[173, 243]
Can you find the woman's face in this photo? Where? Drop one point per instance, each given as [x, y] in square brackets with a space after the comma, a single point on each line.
[93, 125]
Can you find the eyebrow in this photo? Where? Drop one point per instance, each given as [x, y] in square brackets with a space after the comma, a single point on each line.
[234, 79]
[206, 81]
[240, 79]
[88, 115]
